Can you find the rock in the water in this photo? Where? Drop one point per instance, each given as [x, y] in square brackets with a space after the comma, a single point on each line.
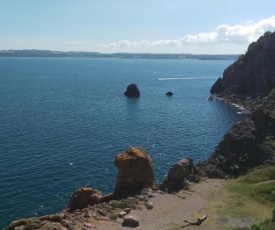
[130, 221]
[132, 91]
[169, 93]
[83, 197]
[177, 175]
[135, 172]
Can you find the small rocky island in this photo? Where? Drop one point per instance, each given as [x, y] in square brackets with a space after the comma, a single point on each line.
[132, 91]
[169, 93]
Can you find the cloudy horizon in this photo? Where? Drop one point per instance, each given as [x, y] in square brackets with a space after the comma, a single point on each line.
[179, 26]
[230, 34]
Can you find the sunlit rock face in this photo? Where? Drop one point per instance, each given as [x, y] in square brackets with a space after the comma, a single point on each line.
[135, 171]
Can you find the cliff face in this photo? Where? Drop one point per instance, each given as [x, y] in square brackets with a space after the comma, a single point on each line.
[247, 144]
[253, 74]
[252, 142]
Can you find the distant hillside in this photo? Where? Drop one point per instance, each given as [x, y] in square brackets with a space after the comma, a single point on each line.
[48, 53]
[253, 74]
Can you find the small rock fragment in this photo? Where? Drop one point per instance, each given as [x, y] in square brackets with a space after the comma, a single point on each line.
[127, 210]
[149, 205]
[150, 195]
[130, 221]
[122, 214]
[87, 227]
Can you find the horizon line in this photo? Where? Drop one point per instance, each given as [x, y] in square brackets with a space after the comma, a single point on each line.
[74, 51]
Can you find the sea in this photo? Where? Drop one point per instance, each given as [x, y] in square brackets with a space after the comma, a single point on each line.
[63, 121]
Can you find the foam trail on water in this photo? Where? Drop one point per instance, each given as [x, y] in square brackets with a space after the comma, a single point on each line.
[184, 78]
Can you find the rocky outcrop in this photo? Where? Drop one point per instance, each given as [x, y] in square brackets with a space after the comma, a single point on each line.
[253, 74]
[135, 171]
[132, 91]
[83, 197]
[248, 144]
[178, 174]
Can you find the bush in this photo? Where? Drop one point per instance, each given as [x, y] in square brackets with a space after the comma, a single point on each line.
[113, 216]
[267, 192]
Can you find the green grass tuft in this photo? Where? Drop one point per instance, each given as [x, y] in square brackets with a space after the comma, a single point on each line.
[259, 175]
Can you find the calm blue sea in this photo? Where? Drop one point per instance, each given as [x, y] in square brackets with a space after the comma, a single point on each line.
[63, 120]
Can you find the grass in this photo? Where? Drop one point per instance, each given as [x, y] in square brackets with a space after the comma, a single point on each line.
[249, 198]
[258, 175]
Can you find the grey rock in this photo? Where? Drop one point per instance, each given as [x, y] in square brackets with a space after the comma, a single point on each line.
[149, 205]
[122, 214]
[130, 221]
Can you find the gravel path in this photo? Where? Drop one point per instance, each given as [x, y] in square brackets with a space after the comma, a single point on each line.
[170, 211]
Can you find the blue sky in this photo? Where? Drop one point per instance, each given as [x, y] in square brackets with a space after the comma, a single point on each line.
[156, 26]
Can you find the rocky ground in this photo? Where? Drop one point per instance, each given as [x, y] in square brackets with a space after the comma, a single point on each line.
[152, 209]
[170, 210]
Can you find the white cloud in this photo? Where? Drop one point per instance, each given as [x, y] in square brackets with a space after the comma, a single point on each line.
[236, 34]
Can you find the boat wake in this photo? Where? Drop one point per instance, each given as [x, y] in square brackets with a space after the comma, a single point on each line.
[184, 78]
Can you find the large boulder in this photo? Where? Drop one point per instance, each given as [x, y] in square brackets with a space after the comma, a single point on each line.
[83, 197]
[178, 174]
[135, 172]
[132, 91]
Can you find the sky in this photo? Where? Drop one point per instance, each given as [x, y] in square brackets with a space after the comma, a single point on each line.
[135, 26]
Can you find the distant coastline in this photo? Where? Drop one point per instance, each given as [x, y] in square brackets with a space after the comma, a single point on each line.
[80, 54]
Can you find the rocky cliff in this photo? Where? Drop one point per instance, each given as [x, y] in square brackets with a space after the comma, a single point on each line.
[247, 81]
[253, 74]
[247, 144]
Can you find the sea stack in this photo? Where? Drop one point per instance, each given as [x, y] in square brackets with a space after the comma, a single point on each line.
[132, 91]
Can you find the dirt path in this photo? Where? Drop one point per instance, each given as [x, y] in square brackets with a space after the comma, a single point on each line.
[170, 211]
